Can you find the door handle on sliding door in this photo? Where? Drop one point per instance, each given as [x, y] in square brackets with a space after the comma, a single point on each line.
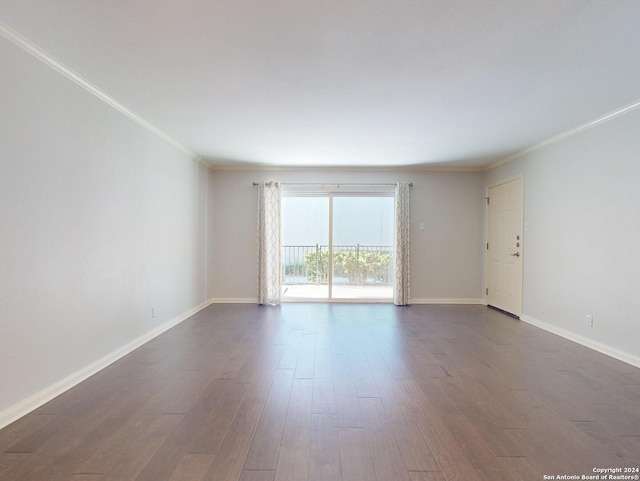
[517, 254]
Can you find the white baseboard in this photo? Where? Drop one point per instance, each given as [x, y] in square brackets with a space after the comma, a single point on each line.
[234, 300]
[355, 300]
[15, 412]
[453, 300]
[572, 336]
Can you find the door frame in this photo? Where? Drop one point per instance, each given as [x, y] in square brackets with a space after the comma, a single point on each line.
[486, 239]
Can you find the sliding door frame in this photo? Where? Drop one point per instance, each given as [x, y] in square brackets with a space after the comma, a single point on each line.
[330, 266]
[330, 195]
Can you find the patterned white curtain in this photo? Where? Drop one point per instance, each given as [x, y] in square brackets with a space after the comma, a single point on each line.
[269, 277]
[401, 282]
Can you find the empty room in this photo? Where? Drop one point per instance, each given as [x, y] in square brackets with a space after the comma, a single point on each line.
[382, 240]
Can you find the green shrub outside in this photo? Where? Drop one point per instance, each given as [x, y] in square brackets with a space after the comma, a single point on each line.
[373, 265]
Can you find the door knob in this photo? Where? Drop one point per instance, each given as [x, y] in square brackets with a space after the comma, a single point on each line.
[517, 254]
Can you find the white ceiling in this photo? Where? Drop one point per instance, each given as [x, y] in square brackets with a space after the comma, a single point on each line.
[458, 83]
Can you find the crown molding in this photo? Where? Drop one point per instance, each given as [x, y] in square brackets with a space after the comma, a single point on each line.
[20, 41]
[334, 168]
[565, 135]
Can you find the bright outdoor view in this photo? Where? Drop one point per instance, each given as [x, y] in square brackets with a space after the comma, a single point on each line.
[362, 247]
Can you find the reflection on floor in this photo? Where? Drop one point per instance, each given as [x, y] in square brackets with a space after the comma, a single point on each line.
[313, 291]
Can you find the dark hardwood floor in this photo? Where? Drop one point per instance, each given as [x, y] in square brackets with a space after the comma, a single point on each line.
[320, 392]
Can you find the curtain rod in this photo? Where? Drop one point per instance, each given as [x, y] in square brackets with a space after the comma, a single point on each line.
[255, 184]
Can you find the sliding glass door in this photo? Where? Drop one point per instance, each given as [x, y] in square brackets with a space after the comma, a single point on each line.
[337, 247]
[305, 247]
[362, 247]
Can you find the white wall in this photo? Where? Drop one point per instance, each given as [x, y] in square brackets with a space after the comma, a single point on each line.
[582, 204]
[446, 258]
[101, 221]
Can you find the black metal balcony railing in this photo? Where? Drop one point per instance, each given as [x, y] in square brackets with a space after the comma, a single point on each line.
[352, 265]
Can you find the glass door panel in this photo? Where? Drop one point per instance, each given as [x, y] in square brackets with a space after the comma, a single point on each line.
[363, 235]
[305, 247]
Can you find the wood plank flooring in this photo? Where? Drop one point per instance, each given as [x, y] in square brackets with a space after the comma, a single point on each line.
[320, 392]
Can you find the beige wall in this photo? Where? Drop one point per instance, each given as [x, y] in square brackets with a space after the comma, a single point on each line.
[446, 258]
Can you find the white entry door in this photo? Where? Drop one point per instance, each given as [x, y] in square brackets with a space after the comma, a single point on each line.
[505, 246]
